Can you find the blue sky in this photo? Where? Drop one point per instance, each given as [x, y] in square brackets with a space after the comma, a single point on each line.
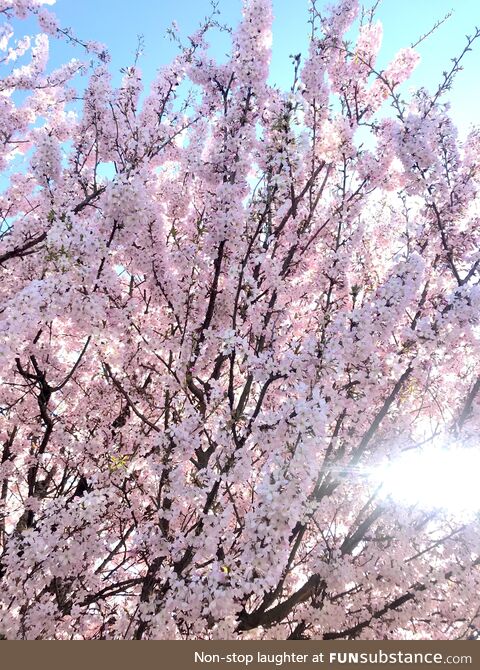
[118, 22]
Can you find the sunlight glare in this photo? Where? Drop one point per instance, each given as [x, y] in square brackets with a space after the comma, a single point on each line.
[434, 478]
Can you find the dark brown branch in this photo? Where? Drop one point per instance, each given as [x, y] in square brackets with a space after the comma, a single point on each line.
[19, 252]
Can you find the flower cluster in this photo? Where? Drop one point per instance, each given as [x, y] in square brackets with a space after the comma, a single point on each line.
[222, 306]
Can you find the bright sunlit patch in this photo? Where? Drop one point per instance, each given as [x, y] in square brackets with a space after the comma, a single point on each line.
[434, 477]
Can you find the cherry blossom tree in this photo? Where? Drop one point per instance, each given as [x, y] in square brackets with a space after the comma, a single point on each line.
[223, 305]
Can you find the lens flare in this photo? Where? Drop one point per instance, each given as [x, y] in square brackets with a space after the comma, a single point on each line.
[439, 477]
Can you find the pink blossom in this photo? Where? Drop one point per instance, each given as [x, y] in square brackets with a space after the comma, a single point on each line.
[223, 307]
